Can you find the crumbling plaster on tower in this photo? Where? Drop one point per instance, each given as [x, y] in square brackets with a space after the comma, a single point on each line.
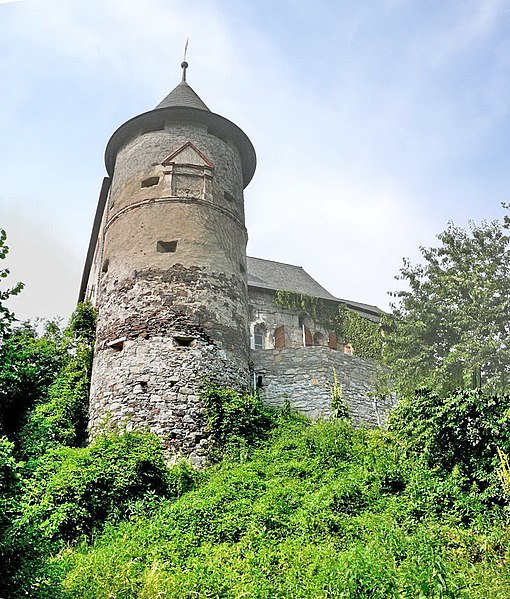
[168, 273]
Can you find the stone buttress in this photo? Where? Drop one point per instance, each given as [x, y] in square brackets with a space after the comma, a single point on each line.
[167, 271]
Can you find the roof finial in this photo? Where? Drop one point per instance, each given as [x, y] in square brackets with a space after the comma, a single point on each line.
[184, 64]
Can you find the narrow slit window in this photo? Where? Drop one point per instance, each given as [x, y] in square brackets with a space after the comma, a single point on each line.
[150, 182]
[228, 196]
[184, 341]
[116, 344]
[166, 246]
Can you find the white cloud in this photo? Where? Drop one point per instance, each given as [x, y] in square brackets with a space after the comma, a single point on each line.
[363, 154]
[477, 22]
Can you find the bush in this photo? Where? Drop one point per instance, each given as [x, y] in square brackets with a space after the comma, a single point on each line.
[234, 419]
[62, 419]
[461, 430]
[74, 490]
[320, 510]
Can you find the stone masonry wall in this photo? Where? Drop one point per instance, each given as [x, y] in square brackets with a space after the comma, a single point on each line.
[153, 354]
[304, 377]
[153, 384]
[172, 289]
[264, 311]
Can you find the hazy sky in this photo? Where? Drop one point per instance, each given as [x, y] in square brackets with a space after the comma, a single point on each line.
[375, 122]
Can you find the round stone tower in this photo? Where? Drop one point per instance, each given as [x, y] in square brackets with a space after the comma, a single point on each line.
[169, 270]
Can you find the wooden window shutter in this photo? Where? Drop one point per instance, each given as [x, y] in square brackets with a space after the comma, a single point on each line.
[308, 337]
[279, 337]
[332, 342]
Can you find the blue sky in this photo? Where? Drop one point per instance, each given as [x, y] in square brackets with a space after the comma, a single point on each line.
[374, 122]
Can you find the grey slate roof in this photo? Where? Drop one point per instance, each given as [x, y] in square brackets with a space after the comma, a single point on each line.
[267, 274]
[274, 276]
[182, 95]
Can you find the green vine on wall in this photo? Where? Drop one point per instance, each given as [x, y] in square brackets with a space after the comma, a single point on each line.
[364, 335]
[318, 309]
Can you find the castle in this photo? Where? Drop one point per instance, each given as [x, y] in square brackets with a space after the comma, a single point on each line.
[179, 303]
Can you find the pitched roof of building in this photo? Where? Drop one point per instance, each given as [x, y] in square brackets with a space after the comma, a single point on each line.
[183, 95]
[275, 276]
[267, 274]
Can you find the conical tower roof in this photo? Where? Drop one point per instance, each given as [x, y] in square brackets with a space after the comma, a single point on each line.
[183, 95]
[182, 105]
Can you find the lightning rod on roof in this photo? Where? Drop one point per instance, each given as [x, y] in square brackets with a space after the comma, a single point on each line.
[184, 64]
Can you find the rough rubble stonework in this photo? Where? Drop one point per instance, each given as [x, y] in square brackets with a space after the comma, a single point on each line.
[167, 271]
[168, 274]
[153, 385]
[142, 377]
[304, 378]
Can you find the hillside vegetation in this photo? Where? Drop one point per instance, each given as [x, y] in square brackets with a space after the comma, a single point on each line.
[300, 510]
[286, 508]
[319, 510]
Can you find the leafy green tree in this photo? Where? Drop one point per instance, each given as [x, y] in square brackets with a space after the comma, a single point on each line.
[462, 431]
[6, 316]
[9, 487]
[451, 328]
[29, 364]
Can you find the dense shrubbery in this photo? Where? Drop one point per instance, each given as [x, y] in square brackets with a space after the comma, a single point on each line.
[296, 510]
[312, 510]
[74, 490]
[320, 510]
[234, 420]
[459, 431]
[28, 366]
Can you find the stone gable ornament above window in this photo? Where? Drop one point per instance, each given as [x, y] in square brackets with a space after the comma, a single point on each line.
[188, 173]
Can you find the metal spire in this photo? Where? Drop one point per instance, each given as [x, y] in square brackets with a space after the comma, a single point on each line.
[184, 64]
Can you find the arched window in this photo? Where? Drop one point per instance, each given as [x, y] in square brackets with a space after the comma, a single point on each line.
[258, 336]
[318, 338]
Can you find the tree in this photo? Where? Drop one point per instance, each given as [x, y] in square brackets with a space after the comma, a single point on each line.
[29, 364]
[462, 430]
[451, 327]
[6, 316]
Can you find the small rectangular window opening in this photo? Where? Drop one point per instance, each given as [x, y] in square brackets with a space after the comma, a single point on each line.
[166, 246]
[259, 381]
[229, 196]
[150, 182]
[116, 344]
[184, 341]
